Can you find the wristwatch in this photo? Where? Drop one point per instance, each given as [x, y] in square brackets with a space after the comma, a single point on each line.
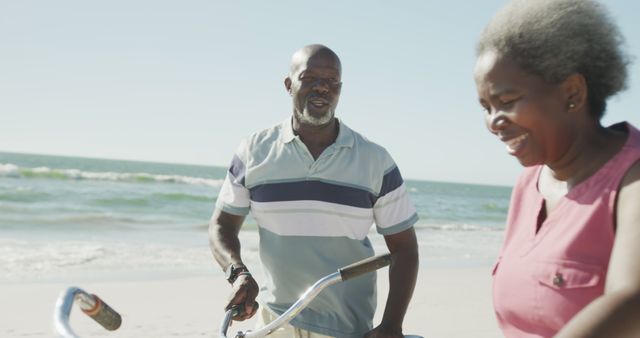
[233, 271]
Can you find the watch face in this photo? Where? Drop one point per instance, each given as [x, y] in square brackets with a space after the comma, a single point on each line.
[232, 272]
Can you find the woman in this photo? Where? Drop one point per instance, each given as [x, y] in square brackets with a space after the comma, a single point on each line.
[570, 262]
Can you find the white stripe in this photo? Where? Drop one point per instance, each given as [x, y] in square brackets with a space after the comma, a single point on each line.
[232, 194]
[313, 218]
[393, 208]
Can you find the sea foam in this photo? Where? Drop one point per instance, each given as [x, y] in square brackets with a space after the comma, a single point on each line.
[12, 170]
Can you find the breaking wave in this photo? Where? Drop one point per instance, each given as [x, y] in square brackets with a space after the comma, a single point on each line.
[12, 170]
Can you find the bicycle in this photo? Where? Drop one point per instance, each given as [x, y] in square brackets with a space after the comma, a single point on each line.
[106, 316]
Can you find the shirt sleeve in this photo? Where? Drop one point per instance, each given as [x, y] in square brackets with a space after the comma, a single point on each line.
[393, 211]
[234, 195]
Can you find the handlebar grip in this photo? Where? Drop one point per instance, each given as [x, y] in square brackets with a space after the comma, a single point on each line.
[104, 314]
[364, 266]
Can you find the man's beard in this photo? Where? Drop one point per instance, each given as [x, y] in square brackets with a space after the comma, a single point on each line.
[306, 118]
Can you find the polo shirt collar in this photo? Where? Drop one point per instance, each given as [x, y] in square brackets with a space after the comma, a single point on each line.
[345, 134]
[286, 134]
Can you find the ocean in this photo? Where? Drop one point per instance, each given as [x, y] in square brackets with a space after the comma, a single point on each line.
[71, 218]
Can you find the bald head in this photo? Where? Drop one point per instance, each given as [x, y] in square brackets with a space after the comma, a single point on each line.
[306, 53]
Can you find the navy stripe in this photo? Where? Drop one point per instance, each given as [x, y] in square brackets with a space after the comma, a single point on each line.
[391, 181]
[312, 190]
[237, 169]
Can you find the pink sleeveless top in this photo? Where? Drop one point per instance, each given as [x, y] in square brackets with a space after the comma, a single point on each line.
[541, 280]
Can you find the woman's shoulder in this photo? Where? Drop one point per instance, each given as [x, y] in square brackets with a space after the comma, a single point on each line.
[631, 153]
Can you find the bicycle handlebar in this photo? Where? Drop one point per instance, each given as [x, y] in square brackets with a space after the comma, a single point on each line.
[102, 313]
[350, 271]
[90, 304]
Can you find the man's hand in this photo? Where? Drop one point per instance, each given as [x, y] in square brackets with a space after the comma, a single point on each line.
[245, 290]
[402, 280]
[382, 332]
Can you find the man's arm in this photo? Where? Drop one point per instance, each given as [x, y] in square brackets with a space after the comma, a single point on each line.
[402, 280]
[225, 246]
[617, 312]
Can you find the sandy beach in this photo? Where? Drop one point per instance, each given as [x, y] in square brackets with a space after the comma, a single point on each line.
[448, 302]
[135, 234]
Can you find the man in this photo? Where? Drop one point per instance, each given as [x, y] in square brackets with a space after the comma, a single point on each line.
[315, 187]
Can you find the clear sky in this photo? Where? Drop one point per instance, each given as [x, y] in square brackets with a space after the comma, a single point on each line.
[184, 81]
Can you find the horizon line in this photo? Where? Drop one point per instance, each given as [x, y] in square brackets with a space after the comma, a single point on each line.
[212, 165]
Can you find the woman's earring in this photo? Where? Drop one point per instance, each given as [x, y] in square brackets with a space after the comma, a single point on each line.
[572, 105]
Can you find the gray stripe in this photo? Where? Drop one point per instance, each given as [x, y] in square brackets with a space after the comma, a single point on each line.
[238, 211]
[400, 227]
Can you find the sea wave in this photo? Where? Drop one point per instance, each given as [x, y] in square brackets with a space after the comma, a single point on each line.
[459, 227]
[495, 207]
[150, 200]
[175, 197]
[23, 194]
[12, 170]
[83, 219]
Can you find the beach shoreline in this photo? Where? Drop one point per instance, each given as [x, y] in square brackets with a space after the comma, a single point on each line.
[448, 302]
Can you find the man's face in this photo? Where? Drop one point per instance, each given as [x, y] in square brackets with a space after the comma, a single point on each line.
[314, 85]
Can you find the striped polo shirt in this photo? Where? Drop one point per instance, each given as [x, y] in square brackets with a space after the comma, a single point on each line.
[313, 217]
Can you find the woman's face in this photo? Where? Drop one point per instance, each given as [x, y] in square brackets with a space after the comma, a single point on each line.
[526, 113]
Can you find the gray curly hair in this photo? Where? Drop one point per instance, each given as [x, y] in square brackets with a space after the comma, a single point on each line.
[556, 38]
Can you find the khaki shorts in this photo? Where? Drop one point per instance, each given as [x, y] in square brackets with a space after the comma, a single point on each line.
[287, 331]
